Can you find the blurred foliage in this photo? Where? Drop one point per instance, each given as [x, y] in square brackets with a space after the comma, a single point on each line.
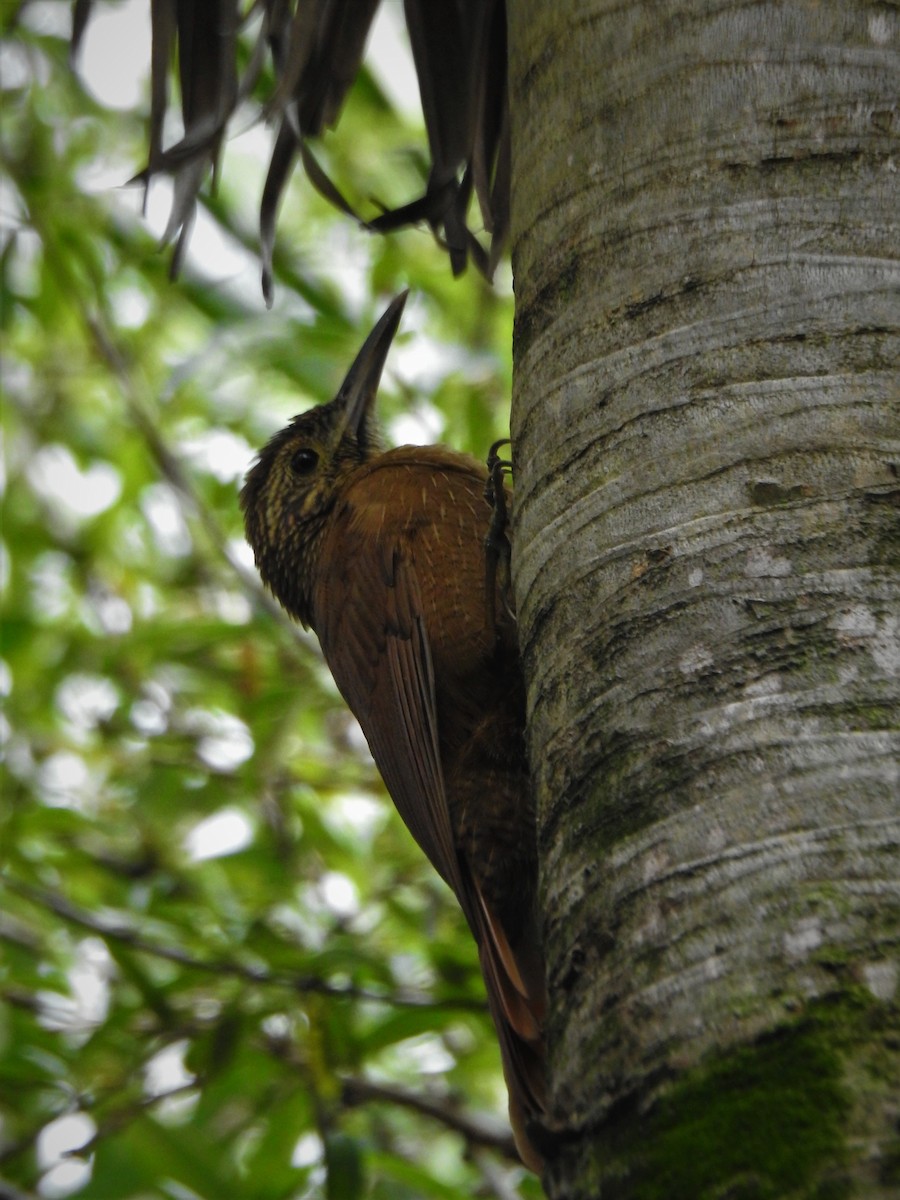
[225, 970]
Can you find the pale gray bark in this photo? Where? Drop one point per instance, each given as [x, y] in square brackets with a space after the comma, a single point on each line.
[705, 422]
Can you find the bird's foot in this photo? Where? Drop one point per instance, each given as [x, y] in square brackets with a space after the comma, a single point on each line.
[497, 546]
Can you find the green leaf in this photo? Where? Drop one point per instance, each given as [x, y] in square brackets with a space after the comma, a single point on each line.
[131, 942]
[344, 1165]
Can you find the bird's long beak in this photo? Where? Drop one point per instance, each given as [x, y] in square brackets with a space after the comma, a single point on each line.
[361, 382]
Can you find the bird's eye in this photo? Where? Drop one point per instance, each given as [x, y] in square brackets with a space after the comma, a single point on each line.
[304, 460]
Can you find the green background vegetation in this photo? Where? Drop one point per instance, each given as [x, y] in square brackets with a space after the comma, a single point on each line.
[235, 1025]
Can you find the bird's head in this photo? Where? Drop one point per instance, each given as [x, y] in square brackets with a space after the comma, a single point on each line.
[294, 485]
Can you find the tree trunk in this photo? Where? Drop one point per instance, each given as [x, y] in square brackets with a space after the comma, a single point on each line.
[705, 425]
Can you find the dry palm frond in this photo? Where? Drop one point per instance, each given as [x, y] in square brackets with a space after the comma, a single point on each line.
[316, 49]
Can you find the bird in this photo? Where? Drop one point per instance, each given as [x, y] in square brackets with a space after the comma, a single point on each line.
[382, 552]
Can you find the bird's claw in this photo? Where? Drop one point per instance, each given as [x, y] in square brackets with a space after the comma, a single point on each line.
[497, 546]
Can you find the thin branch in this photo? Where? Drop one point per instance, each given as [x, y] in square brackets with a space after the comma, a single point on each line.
[482, 1130]
[125, 934]
[174, 473]
[119, 1119]
[113, 1123]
